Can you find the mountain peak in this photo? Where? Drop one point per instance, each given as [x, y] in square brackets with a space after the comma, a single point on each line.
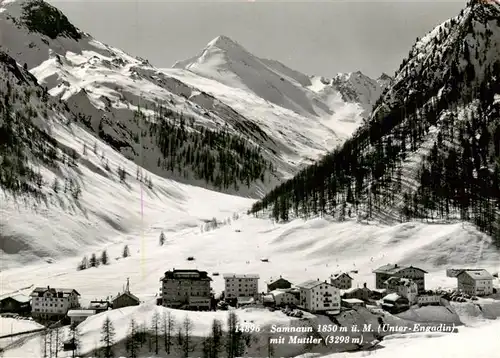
[223, 42]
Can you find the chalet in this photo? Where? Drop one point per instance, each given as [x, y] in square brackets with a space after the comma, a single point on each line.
[341, 280]
[352, 302]
[284, 298]
[78, 316]
[53, 303]
[360, 293]
[241, 285]
[188, 289]
[394, 303]
[475, 282]
[125, 299]
[280, 283]
[15, 304]
[318, 296]
[385, 272]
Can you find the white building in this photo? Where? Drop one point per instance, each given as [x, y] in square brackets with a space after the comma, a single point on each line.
[78, 316]
[475, 282]
[284, 298]
[405, 287]
[47, 302]
[241, 285]
[429, 299]
[319, 296]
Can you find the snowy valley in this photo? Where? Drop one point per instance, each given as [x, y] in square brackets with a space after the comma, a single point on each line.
[104, 151]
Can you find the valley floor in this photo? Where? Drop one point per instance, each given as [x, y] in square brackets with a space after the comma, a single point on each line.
[299, 250]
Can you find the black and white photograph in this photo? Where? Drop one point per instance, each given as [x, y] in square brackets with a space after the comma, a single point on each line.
[249, 179]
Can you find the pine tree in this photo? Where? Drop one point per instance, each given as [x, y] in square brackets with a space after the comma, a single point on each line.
[107, 338]
[126, 252]
[162, 238]
[104, 258]
[93, 261]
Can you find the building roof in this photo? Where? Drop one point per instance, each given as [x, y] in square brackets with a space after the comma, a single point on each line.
[393, 297]
[340, 274]
[18, 297]
[186, 274]
[477, 274]
[245, 300]
[127, 294]
[352, 300]
[234, 275]
[313, 283]
[278, 293]
[399, 281]
[393, 269]
[268, 298]
[64, 291]
[81, 313]
[277, 280]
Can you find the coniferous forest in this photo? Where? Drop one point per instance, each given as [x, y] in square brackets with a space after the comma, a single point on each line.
[431, 150]
[216, 156]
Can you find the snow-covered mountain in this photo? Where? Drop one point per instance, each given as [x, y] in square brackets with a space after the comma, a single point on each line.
[227, 62]
[276, 115]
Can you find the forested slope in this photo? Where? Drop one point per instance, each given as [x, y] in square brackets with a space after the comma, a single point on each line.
[431, 149]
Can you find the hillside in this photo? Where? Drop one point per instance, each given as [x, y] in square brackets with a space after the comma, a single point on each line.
[63, 190]
[430, 150]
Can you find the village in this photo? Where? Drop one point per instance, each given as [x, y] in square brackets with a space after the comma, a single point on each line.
[397, 288]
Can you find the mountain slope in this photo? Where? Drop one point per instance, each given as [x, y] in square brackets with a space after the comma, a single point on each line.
[431, 147]
[108, 87]
[63, 190]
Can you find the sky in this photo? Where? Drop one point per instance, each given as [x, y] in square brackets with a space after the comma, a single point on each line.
[316, 38]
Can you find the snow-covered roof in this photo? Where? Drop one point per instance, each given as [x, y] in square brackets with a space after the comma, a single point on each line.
[234, 275]
[340, 274]
[393, 269]
[54, 291]
[81, 313]
[268, 298]
[278, 292]
[352, 300]
[310, 284]
[18, 297]
[477, 274]
[128, 294]
[245, 300]
[392, 297]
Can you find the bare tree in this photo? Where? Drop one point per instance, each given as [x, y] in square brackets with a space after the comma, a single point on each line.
[44, 343]
[132, 342]
[155, 328]
[212, 345]
[185, 338]
[108, 337]
[234, 341]
[74, 333]
[168, 328]
[57, 341]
